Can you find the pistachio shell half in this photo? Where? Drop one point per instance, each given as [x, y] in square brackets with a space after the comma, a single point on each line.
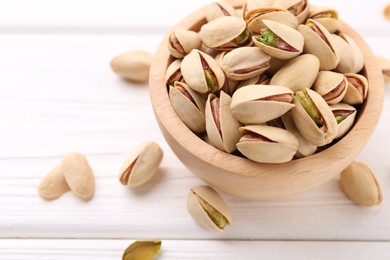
[385, 66]
[267, 144]
[181, 42]
[53, 185]
[208, 208]
[257, 104]
[345, 117]
[173, 73]
[218, 9]
[332, 86]
[357, 89]
[326, 16]
[189, 106]
[299, 8]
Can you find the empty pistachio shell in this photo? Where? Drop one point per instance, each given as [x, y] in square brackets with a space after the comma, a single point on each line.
[53, 185]
[133, 65]
[201, 72]
[385, 66]
[173, 73]
[360, 185]
[245, 63]
[299, 8]
[267, 144]
[189, 106]
[78, 174]
[279, 40]
[142, 250]
[357, 89]
[345, 117]
[141, 164]
[314, 118]
[218, 9]
[298, 74]
[328, 17]
[257, 104]
[262, 79]
[222, 127]
[332, 86]
[181, 42]
[208, 208]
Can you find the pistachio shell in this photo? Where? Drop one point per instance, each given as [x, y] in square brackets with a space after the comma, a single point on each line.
[322, 15]
[173, 73]
[332, 86]
[357, 58]
[141, 164]
[189, 106]
[347, 57]
[267, 144]
[257, 104]
[298, 74]
[290, 36]
[262, 79]
[385, 66]
[194, 73]
[251, 6]
[245, 63]
[142, 249]
[345, 116]
[133, 65]
[208, 208]
[181, 42]
[357, 89]
[218, 9]
[53, 185]
[300, 8]
[222, 127]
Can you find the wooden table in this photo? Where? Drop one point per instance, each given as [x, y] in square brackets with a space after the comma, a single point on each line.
[58, 95]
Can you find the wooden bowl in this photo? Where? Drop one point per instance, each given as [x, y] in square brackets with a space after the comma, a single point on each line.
[247, 179]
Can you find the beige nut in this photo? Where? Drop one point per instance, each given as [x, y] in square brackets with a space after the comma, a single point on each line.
[332, 86]
[351, 57]
[173, 73]
[53, 185]
[142, 250]
[181, 42]
[208, 208]
[345, 117]
[299, 8]
[328, 17]
[219, 9]
[357, 89]
[141, 164]
[133, 65]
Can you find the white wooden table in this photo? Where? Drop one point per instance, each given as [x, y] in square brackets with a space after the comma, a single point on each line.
[58, 95]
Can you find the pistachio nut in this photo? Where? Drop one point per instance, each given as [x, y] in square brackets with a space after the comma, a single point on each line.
[357, 59]
[133, 65]
[222, 127]
[208, 208]
[351, 58]
[230, 86]
[298, 74]
[245, 63]
[201, 72]
[299, 8]
[357, 89]
[314, 118]
[359, 184]
[189, 106]
[225, 33]
[385, 66]
[319, 43]
[173, 73]
[142, 250]
[345, 117]
[257, 104]
[262, 79]
[53, 185]
[78, 175]
[181, 42]
[267, 144]
[332, 86]
[328, 17]
[279, 40]
[218, 9]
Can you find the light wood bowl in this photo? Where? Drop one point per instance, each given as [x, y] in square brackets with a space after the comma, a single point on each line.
[247, 179]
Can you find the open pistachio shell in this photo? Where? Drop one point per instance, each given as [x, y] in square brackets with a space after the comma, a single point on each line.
[181, 42]
[326, 16]
[385, 66]
[345, 117]
[279, 40]
[218, 9]
[245, 63]
[267, 144]
[357, 89]
[262, 79]
[222, 127]
[173, 73]
[299, 8]
[356, 59]
[332, 86]
[298, 74]
[189, 106]
[257, 104]
[319, 43]
[201, 72]
[314, 118]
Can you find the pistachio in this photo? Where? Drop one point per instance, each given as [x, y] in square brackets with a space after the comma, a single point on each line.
[78, 175]
[181, 42]
[385, 66]
[141, 164]
[328, 17]
[208, 208]
[299, 8]
[275, 65]
[133, 65]
[173, 73]
[360, 185]
[345, 117]
[267, 144]
[218, 9]
[351, 57]
[53, 185]
[262, 79]
[142, 250]
[357, 89]
[332, 86]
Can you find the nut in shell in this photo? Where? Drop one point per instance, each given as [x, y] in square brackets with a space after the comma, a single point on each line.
[351, 57]
[345, 117]
[332, 86]
[53, 185]
[133, 65]
[142, 250]
[299, 8]
[219, 9]
[173, 73]
[181, 42]
[357, 89]
[328, 17]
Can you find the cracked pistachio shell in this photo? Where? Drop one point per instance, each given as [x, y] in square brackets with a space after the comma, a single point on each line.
[332, 86]
[173, 73]
[181, 42]
[208, 208]
[221, 126]
[267, 144]
[385, 66]
[257, 104]
[314, 44]
[317, 135]
[245, 63]
[345, 116]
[192, 69]
[289, 35]
[219, 9]
[326, 16]
[298, 74]
[141, 164]
[305, 148]
[357, 89]
[359, 184]
[262, 79]
[189, 106]
[299, 8]
[53, 185]
[351, 60]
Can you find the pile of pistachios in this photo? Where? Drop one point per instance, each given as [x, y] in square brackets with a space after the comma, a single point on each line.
[275, 80]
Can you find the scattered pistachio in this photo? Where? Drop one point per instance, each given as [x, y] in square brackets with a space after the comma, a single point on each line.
[142, 250]
[53, 185]
[133, 65]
